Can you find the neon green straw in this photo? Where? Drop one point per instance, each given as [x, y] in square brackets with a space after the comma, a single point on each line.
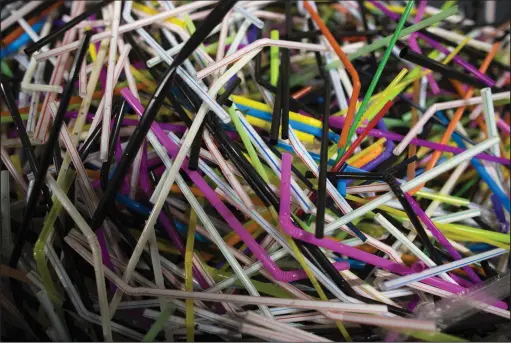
[386, 40]
[274, 59]
[39, 252]
[379, 71]
[254, 158]
[159, 323]
[211, 48]
[8, 119]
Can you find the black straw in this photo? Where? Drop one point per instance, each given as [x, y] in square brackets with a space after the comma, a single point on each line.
[152, 109]
[53, 36]
[433, 65]
[323, 165]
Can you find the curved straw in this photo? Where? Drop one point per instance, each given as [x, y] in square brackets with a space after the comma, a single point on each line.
[340, 248]
[96, 253]
[347, 64]
[77, 302]
[233, 298]
[259, 45]
[261, 254]
[443, 106]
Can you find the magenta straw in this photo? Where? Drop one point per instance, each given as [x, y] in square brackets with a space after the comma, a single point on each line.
[223, 210]
[293, 231]
[439, 236]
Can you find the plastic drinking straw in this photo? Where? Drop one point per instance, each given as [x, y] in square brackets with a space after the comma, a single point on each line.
[231, 298]
[77, 302]
[47, 230]
[159, 324]
[439, 236]
[377, 74]
[489, 116]
[454, 217]
[402, 281]
[457, 116]
[188, 275]
[274, 59]
[406, 31]
[12, 170]
[443, 106]
[347, 64]
[94, 246]
[409, 244]
[15, 15]
[321, 198]
[6, 213]
[112, 54]
[469, 153]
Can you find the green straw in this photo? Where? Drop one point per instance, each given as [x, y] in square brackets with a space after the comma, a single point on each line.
[274, 59]
[6, 70]
[379, 71]
[159, 323]
[386, 40]
[8, 119]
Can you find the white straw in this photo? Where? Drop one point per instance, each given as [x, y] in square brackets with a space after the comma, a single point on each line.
[112, 55]
[430, 272]
[96, 253]
[438, 107]
[409, 185]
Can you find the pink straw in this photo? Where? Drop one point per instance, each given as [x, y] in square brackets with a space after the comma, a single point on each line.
[210, 194]
[289, 228]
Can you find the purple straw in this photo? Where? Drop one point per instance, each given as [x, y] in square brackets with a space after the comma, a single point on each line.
[223, 210]
[458, 60]
[338, 122]
[293, 231]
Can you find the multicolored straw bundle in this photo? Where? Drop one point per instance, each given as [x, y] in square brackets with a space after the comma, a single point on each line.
[229, 170]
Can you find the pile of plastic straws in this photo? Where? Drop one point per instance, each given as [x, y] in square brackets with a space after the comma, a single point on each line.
[291, 171]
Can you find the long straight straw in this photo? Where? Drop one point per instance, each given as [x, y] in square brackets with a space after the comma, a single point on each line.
[403, 281]
[379, 71]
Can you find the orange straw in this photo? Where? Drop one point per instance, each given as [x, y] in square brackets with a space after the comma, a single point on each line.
[11, 37]
[349, 67]
[459, 112]
[301, 93]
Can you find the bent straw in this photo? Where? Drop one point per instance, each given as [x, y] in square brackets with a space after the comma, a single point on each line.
[212, 197]
[409, 185]
[376, 77]
[96, 253]
[439, 107]
[294, 232]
